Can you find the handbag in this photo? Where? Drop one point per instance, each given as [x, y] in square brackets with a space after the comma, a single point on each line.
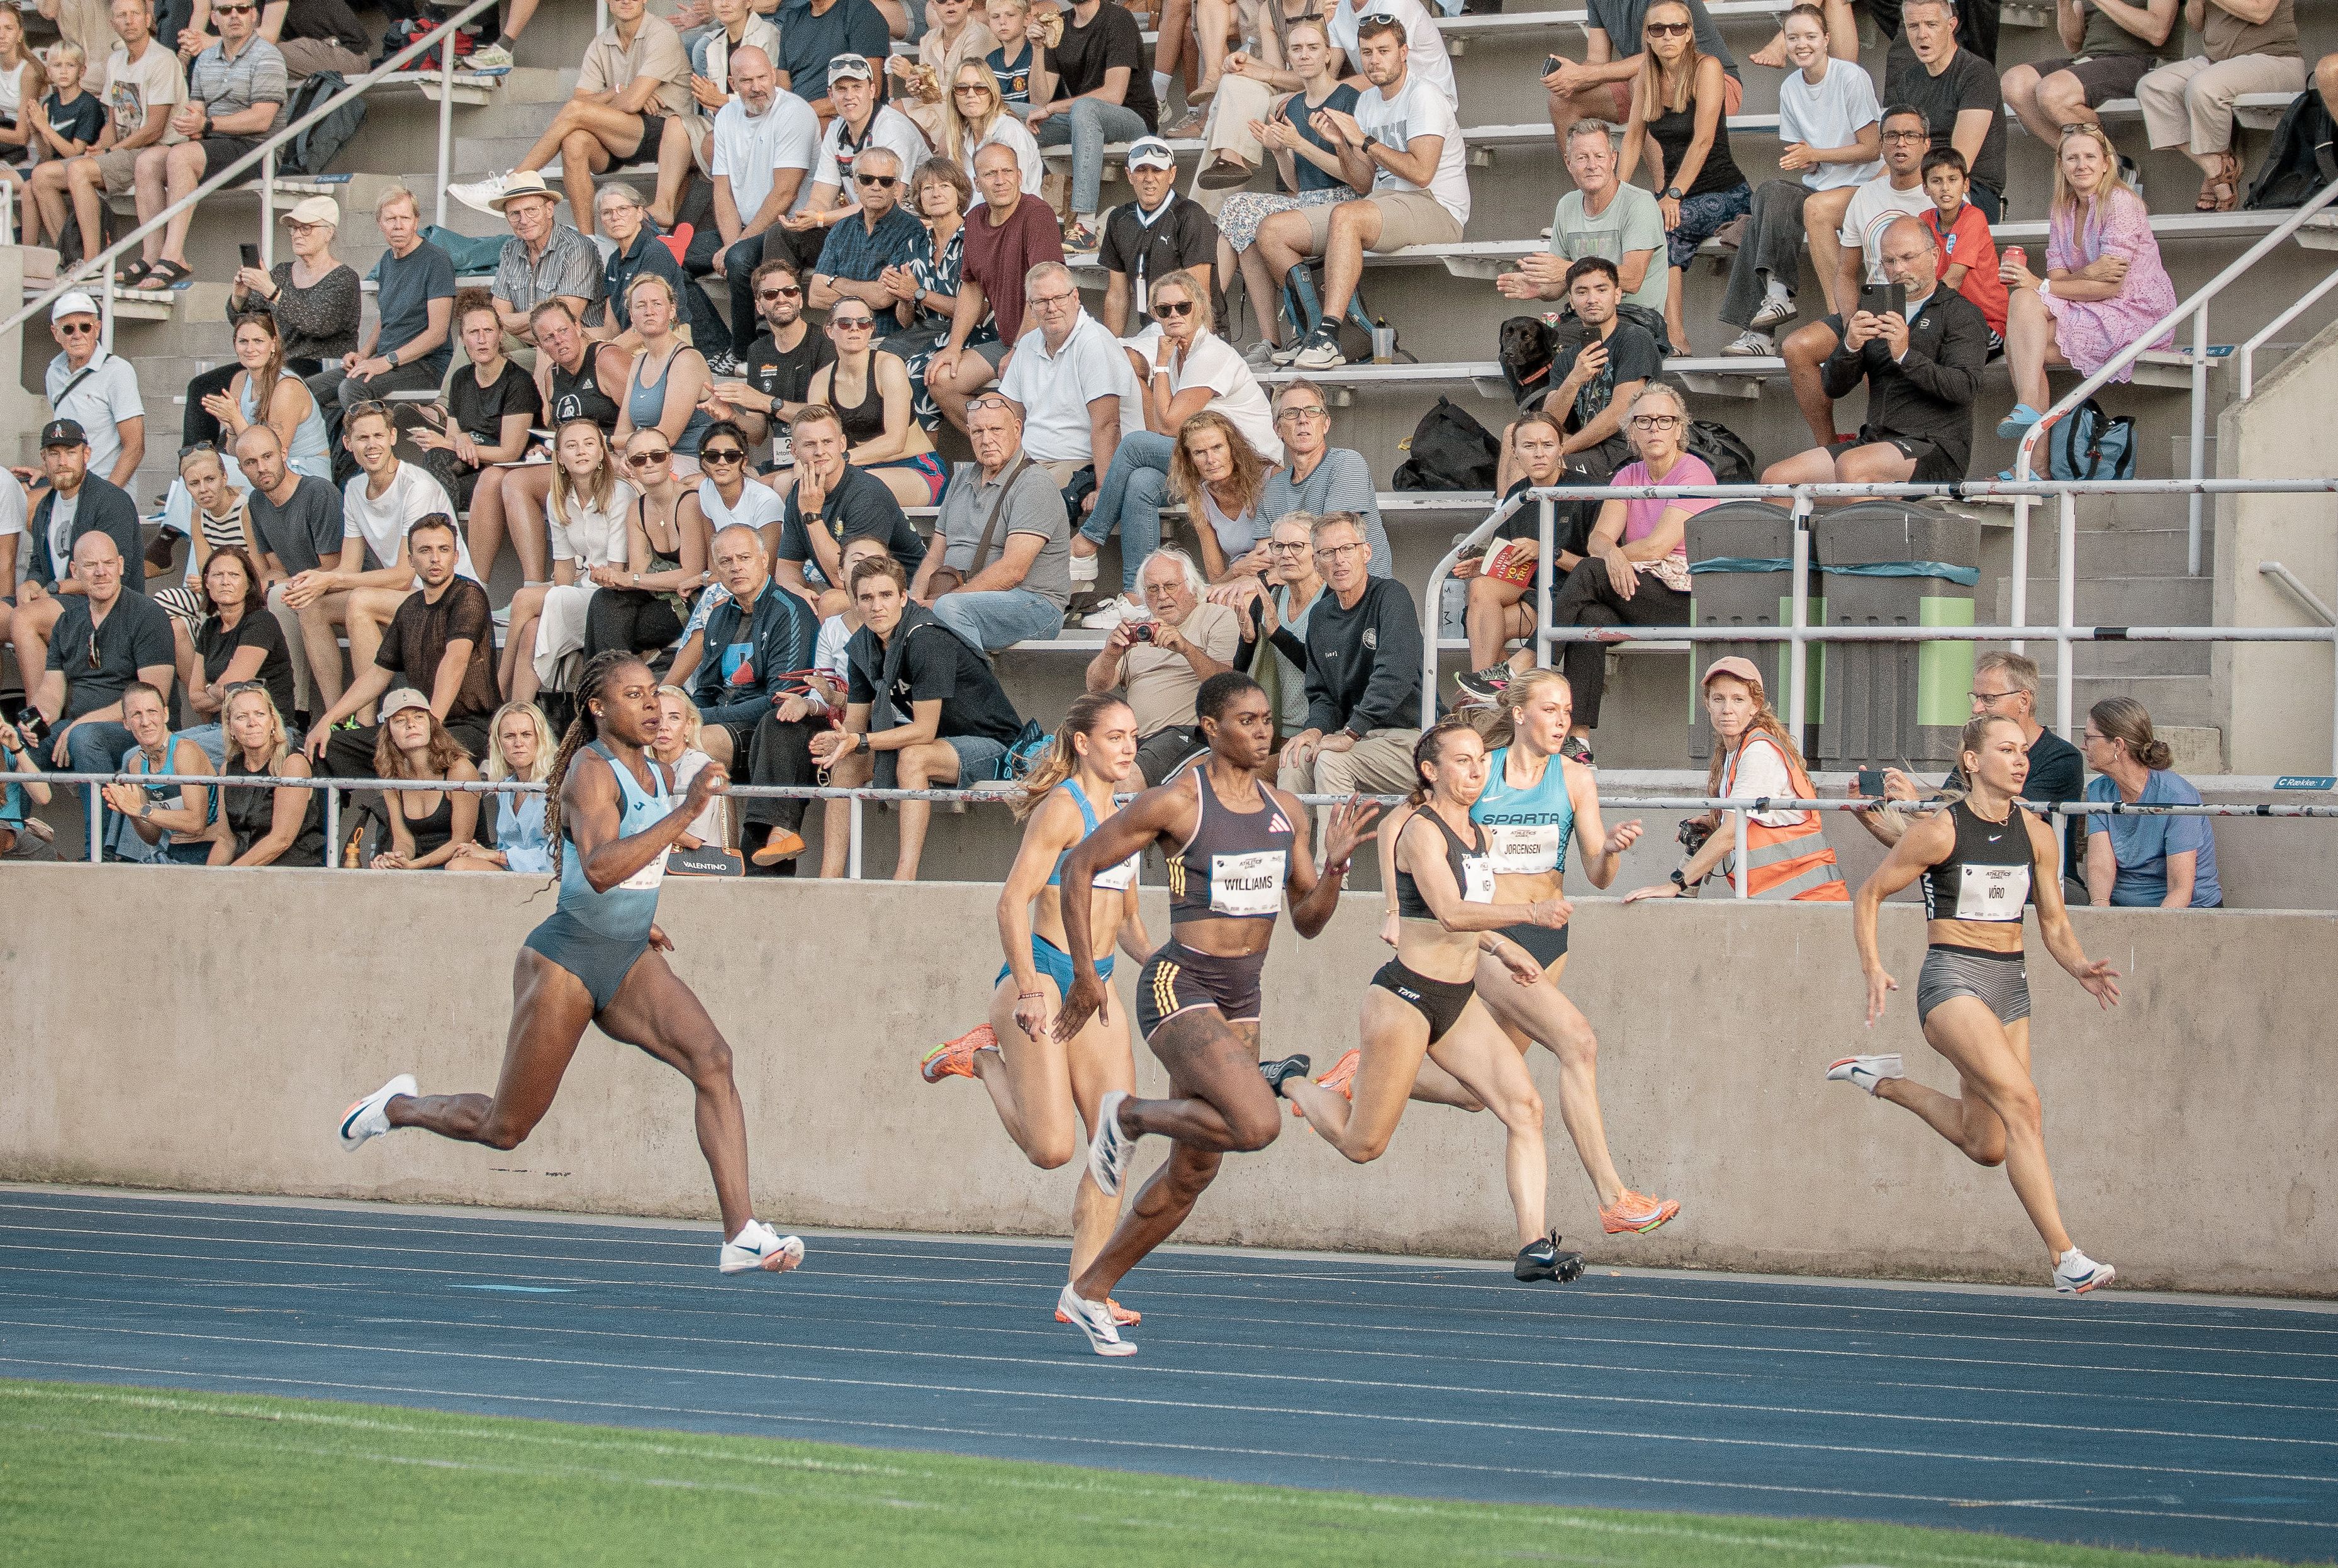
[706, 860]
[949, 579]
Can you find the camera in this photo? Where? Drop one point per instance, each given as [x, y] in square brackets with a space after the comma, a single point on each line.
[1693, 832]
[1140, 631]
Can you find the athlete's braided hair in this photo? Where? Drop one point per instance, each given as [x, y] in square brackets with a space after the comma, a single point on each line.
[583, 731]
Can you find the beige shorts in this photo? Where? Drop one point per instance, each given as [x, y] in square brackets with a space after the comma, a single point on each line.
[120, 170]
[1407, 217]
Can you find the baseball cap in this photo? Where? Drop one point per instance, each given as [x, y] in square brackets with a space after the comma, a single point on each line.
[64, 433]
[76, 302]
[401, 700]
[1734, 665]
[315, 209]
[845, 67]
[1151, 152]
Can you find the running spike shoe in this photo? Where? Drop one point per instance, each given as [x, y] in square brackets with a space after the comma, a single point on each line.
[758, 1246]
[1093, 1319]
[1281, 1071]
[1635, 1213]
[1123, 1317]
[2075, 1273]
[955, 1058]
[369, 1117]
[1867, 1072]
[1543, 1261]
[1109, 1153]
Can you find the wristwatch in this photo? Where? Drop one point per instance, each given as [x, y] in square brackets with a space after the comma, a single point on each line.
[1671, 192]
[1679, 880]
[1370, 143]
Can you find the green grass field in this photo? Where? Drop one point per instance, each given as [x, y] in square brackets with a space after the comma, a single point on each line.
[106, 1476]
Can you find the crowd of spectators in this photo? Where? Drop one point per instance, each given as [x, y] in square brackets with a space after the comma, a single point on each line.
[796, 267]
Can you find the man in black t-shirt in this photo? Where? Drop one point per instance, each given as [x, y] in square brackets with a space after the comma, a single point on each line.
[959, 722]
[299, 523]
[814, 32]
[1158, 233]
[1958, 92]
[320, 36]
[834, 501]
[1103, 93]
[781, 364]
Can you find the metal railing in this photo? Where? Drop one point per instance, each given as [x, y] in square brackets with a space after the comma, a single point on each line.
[1799, 634]
[265, 155]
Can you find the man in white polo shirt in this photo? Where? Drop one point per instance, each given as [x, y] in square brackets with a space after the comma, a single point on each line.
[1072, 382]
[381, 502]
[96, 390]
[766, 139]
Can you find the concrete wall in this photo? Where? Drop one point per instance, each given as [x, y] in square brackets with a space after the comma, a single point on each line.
[2191, 1129]
[2276, 697]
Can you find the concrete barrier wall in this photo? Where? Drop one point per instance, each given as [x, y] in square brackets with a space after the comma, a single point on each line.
[192, 1029]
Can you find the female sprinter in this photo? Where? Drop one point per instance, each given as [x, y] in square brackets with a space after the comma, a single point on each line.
[1534, 801]
[1236, 846]
[1981, 860]
[1036, 1082]
[600, 958]
[1422, 1002]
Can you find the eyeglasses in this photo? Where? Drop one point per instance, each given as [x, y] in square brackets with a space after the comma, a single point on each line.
[1288, 547]
[726, 454]
[370, 406]
[988, 400]
[852, 323]
[877, 181]
[76, 328]
[1172, 309]
[1907, 135]
[644, 459]
[1049, 301]
[1298, 411]
[1986, 697]
[787, 291]
[1339, 551]
[1656, 421]
[2094, 736]
[1665, 30]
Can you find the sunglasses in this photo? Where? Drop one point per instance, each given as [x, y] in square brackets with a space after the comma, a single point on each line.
[92, 649]
[788, 291]
[727, 455]
[851, 323]
[972, 87]
[1173, 309]
[1665, 30]
[877, 181]
[76, 328]
[192, 447]
[644, 459]
[233, 10]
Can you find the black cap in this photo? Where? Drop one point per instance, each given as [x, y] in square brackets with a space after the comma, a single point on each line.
[64, 433]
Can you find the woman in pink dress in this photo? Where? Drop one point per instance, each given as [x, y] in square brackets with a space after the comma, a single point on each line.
[2103, 287]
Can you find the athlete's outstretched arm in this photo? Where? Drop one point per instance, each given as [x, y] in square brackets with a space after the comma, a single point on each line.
[2054, 916]
[1168, 808]
[1313, 898]
[1925, 843]
[590, 816]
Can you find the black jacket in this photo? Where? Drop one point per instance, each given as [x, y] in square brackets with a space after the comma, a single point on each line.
[1928, 395]
[782, 633]
[1363, 665]
[102, 507]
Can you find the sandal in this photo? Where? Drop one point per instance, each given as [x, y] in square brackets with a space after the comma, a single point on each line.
[162, 277]
[1227, 173]
[132, 272]
[2220, 191]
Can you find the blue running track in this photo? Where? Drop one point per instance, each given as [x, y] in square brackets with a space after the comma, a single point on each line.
[2117, 1420]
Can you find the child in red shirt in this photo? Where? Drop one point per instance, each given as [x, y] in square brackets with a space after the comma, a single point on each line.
[1968, 251]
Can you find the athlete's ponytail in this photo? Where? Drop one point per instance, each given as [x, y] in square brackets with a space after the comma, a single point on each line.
[1086, 716]
[583, 731]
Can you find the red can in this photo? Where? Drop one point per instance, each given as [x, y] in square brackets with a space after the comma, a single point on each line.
[2015, 255]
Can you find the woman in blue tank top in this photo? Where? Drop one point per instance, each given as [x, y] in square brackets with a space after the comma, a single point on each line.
[1237, 853]
[600, 958]
[669, 399]
[1046, 1089]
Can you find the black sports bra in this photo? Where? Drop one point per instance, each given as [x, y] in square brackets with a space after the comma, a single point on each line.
[1472, 868]
[1987, 876]
[1234, 865]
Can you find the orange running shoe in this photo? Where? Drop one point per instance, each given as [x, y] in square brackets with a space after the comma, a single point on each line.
[1122, 1316]
[955, 1058]
[1342, 1078]
[1635, 1213]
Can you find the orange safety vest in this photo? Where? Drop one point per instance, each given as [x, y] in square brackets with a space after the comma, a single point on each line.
[1791, 862]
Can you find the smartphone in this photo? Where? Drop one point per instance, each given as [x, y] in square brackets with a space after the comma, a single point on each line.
[250, 254]
[1549, 64]
[1881, 298]
[1871, 783]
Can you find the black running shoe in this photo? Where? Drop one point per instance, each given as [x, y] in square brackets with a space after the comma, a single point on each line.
[1576, 749]
[1278, 1074]
[1543, 1261]
[1484, 687]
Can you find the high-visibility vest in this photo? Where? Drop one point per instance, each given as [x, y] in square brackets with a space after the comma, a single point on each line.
[1792, 862]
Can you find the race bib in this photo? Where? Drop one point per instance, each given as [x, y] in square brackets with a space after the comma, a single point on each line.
[1519, 848]
[1992, 892]
[1246, 884]
[1118, 878]
[1477, 879]
[647, 878]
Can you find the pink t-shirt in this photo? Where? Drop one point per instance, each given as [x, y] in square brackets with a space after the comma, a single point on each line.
[1641, 517]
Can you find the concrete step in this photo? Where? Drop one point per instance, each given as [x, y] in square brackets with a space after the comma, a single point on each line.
[2172, 701]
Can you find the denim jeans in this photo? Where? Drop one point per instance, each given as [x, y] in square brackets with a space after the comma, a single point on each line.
[1771, 249]
[98, 748]
[998, 618]
[1130, 498]
[1087, 126]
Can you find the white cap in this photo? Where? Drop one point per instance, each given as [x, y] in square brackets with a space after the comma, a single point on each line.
[76, 302]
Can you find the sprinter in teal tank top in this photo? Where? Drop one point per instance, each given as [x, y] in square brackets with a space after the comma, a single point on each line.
[600, 958]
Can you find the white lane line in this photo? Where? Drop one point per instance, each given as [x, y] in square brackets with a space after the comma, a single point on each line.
[1155, 1402]
[1050, 1437]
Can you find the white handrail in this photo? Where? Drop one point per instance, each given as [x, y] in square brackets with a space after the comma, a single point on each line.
[2248, 354]
[2298, 590]
[443, 33]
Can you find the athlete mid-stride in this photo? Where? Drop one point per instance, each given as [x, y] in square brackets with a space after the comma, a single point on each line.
[1236, 848]
[1981, 860]
[600, 959]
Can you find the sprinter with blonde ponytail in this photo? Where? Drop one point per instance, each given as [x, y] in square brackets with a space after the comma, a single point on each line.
[600, 958]
[1046, 1090]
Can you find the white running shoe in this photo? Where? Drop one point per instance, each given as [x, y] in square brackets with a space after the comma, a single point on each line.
[1093, 1319]
[479, 194]
[2076, 1273]
[369, 1117]
[1867, 1072]
[1083, 568]
[1748, 345]
[1109, 1151]
[1772, 314]
[1106, 616]
[758, 1246]
[487, 60]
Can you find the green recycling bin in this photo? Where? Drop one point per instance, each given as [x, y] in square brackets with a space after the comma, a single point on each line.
[1896, 564]
[1741, 563]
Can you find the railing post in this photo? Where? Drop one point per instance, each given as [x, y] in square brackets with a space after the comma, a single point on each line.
[268, 210]
[1549, 549]
[2199, 438]
[852, 852]
[2017, 612]
[96, 823]
[2066, 609]
[1743, 870]
[1798, 650]
[105, 306]
[333, 828]
[445, 121]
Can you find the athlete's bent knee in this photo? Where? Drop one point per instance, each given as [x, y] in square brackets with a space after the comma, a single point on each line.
[1252, 1132]
[501, 1132]
[1052, 1154]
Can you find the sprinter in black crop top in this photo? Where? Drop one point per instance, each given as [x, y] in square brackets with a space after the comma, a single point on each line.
[1981, 860]
[1237, 851]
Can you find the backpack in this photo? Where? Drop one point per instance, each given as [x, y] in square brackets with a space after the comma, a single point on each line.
[1025, 752]
[1450, 451]
[2088, 444]
[2301, 160]
[313, 149]
[401, 34]
[1725, 452]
